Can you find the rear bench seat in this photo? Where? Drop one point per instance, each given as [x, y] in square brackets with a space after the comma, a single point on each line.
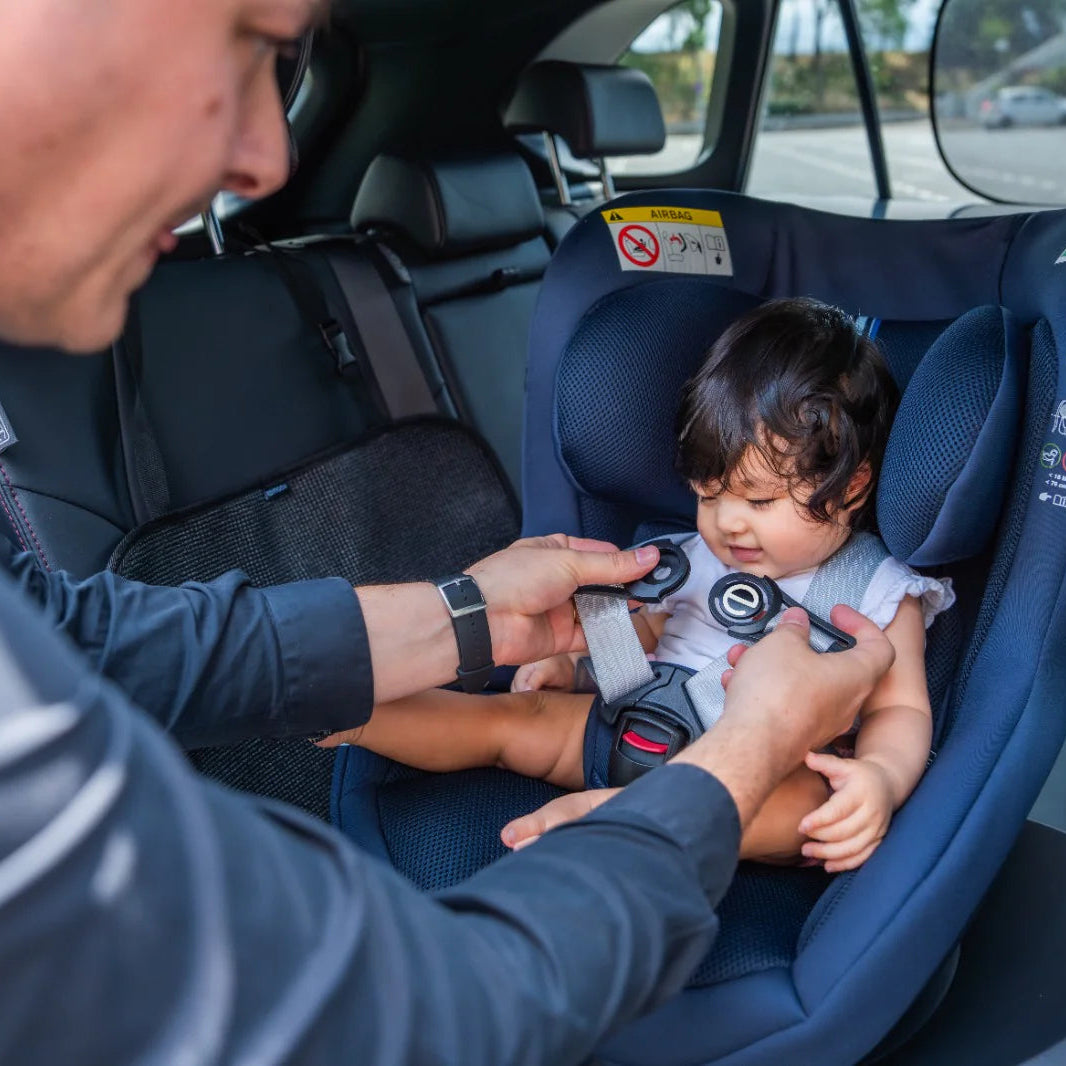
[470, 234]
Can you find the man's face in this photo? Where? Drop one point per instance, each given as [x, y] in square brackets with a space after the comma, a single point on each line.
[120, 120]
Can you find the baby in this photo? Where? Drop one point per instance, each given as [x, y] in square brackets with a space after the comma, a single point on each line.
[780, 434]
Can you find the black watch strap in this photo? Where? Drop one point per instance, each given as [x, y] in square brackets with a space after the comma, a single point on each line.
[466, 606]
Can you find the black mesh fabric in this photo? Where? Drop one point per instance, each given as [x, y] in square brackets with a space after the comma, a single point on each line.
[407, 503]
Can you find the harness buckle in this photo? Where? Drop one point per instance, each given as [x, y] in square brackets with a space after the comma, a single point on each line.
[651, 724]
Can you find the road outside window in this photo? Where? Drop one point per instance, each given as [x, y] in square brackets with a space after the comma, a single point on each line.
[813, 138]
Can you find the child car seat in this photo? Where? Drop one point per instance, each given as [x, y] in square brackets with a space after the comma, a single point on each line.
[807, 967]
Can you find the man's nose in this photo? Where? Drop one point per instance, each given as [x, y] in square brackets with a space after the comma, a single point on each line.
[261, 161]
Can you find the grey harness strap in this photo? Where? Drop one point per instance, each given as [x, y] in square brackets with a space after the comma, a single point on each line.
[843, 578]
[618, 659]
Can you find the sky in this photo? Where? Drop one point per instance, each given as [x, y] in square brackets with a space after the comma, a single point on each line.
[795, 28]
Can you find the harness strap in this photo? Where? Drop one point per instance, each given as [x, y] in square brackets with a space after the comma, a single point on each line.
[618, 659]
[843, 578]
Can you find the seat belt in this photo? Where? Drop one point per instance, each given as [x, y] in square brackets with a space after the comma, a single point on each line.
[385, 339]
[146, 472]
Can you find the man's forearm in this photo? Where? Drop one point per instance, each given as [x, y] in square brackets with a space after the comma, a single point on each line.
[412, 642]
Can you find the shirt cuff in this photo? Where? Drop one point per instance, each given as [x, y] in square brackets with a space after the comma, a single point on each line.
[691, 807]
[325, 655]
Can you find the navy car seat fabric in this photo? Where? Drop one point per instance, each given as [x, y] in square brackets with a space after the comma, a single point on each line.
[808, 1004]
[938, 271]
[869, 942]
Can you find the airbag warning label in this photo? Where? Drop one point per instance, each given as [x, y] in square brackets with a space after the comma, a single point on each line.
[671, 240]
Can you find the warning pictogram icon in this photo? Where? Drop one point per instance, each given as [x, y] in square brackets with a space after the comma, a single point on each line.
[639, 245]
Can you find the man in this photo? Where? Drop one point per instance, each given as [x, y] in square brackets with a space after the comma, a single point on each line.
[149, 915]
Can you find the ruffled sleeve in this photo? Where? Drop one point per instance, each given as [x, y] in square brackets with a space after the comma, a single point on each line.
[894, 580]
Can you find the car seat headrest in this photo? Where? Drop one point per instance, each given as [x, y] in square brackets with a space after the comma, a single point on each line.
[598, 110]
[949, 455]
[450, 206]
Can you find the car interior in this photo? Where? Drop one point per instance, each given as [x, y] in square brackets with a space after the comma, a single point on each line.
[513, 233]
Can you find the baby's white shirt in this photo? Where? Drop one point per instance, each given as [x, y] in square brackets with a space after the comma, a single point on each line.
[693, 638]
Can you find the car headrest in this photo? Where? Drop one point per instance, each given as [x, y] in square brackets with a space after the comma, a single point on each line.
[949, 455]
[449, 206]
[598, 110]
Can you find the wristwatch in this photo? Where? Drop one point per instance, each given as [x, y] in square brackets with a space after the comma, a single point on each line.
[466, 606]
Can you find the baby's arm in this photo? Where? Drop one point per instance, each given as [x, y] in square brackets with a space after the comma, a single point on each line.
[558, 671]
[539, 734]
[891, 751]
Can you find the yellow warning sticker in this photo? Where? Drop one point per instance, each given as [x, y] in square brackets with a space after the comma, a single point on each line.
[671, 240]
[663, 214]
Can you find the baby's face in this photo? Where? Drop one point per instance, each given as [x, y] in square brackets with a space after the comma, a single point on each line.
[759, 527]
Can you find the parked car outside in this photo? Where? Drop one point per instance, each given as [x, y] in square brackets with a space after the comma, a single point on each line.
[1022, 105]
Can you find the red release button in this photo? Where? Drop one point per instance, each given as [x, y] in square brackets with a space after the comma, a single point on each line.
[643, 744]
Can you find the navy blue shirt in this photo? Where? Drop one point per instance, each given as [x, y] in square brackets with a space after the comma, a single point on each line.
[218, 662]
[147, 914]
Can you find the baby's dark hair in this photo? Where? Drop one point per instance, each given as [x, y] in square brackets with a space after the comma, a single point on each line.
[796, 381]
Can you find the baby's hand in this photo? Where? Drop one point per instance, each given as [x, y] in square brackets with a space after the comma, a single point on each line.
[554, 672]
[846, 829]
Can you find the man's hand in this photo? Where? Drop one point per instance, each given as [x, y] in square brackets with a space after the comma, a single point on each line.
[783, 699]
[847, 828]
[528, 589]
[562, 809]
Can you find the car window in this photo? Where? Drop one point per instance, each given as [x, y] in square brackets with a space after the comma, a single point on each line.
[812, 134]
[678, 52]
[897, 36]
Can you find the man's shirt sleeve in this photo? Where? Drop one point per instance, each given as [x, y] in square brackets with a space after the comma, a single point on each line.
[147, 914]
[216, 662]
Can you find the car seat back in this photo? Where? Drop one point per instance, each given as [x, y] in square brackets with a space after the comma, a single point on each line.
[808, 967]
[469, 232]
[611, 346]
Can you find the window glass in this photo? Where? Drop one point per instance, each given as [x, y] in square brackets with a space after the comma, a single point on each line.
[678, 52]
[812, 138]
[897, 35]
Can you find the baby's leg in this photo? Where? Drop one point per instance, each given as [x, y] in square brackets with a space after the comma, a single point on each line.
[539, 734]
[773, 836]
